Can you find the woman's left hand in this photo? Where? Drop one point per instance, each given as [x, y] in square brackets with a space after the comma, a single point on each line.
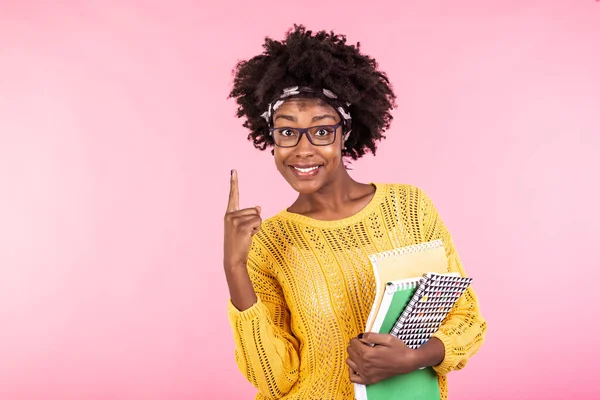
[389, 357]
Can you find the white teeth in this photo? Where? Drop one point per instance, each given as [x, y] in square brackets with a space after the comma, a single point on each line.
[306, 169]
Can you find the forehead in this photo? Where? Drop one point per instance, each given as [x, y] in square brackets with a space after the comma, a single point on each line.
[305, 105]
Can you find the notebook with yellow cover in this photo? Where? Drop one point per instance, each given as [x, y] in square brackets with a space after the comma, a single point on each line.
[404, 263]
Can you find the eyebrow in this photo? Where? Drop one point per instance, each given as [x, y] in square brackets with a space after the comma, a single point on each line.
[315, 118]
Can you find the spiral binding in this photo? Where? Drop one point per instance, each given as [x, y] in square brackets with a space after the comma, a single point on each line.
[392, 287]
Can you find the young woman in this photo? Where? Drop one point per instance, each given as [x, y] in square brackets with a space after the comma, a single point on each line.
[300, 282]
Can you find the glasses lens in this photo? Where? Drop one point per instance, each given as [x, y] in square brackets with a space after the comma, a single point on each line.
[286, 137]
[322, 135]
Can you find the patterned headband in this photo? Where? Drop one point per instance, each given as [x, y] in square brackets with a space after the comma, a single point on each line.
[330, 98]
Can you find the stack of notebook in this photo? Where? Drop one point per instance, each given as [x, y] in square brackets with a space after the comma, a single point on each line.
[414, 293]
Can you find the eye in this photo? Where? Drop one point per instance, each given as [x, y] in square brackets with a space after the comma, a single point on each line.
[323, 132]
[286, 132]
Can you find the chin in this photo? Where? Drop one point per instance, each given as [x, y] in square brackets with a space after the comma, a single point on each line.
[305, 186]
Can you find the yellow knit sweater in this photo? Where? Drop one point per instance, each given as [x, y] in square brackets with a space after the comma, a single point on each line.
[315, 288]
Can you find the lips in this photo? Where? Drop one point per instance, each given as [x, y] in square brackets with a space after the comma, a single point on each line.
[306, 170]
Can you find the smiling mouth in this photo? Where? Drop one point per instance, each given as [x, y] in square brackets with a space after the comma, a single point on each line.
[307, 169]
[306, 172]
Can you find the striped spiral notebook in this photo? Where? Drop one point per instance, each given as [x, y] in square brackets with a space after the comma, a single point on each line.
[434, 296]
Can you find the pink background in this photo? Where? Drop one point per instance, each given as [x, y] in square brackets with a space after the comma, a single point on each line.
[116, 141]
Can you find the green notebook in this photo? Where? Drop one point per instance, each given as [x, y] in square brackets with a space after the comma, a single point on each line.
[421, 384]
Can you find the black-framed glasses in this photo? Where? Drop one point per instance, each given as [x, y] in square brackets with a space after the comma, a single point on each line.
[322, 135]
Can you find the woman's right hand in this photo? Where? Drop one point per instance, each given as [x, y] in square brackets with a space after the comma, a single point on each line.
[240, 226]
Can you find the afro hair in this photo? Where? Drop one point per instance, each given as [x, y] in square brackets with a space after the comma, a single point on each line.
[321, 60]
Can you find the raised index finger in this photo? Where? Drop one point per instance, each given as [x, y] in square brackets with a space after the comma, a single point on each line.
[234, 194]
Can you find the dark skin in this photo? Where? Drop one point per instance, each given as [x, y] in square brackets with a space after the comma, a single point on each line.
[331, 194]
[389, 357]
[328, 193]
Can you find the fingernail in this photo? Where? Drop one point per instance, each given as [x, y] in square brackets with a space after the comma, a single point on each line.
[360, 335]
[231, 172]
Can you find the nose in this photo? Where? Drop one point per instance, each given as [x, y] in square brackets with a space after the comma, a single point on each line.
[304, 148]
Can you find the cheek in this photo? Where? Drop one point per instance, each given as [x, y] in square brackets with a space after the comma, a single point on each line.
[278, 158]
[332, 154]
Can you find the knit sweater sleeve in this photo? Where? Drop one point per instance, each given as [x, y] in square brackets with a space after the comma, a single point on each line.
[266, 351]
[463, 330]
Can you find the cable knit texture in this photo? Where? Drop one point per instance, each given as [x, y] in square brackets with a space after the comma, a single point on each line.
[315, 287]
